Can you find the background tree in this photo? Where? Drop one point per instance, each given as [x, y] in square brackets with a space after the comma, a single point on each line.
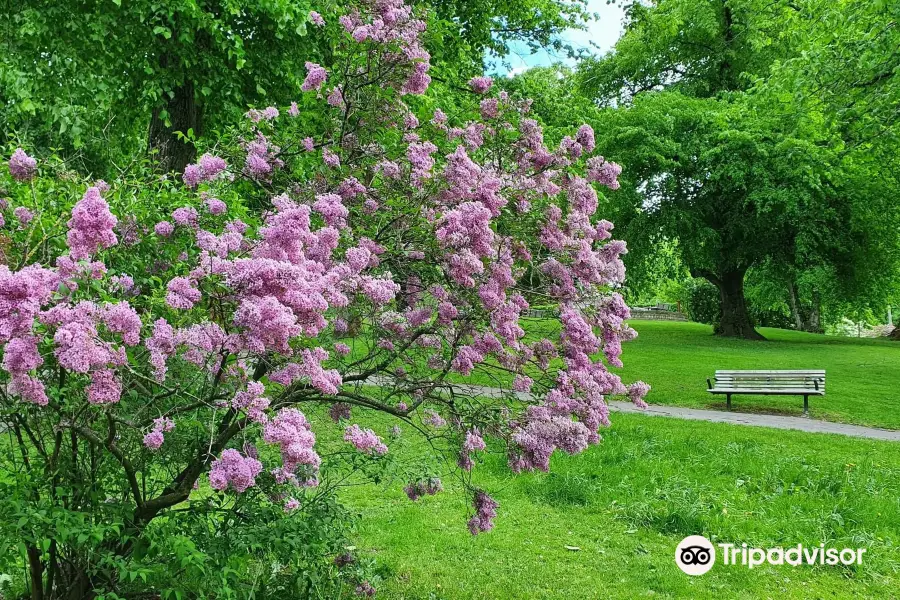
[687, 87]
[111, 77]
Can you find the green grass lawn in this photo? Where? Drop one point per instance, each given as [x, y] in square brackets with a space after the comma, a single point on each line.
[625, 505]
[676, 358]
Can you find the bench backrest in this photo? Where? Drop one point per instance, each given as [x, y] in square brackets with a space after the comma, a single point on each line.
[772, 379]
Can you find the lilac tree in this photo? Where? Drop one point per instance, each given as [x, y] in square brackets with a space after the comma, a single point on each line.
[162, 361]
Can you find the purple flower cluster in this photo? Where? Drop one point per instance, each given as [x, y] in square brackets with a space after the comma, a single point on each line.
[339, 411]
[485, 512]
[291, 432]
[481, 85]
[182, 293]
[365, 440]
[423, 487]
[234, 470]
[209, 167]
[472, 443]
[91, 226]
[23, 215]
[316, 75]
[154, 439]
[21, 166]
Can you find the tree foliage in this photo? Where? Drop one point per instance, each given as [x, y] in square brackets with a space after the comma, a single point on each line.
[740, 157]
[109, 77]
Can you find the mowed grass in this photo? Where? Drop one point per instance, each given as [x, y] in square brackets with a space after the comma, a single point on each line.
[605, 524]
[676, 358]
[862, 375]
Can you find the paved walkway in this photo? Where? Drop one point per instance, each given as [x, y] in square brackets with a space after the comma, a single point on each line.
[720, 416]
[757, 420]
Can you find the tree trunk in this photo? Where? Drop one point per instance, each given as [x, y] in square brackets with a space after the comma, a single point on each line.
[183, 113]
[795, 306]
[735, 320]
[814, 322]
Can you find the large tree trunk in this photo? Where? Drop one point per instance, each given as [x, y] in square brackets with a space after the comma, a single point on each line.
[814, 322]
[735, 320]
[184, 113]
[795, 306]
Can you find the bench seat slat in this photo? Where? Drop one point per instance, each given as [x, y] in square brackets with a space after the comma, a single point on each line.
[822, 371]
[769, 392]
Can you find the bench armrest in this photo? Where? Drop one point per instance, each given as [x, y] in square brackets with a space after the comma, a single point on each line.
[708, 384]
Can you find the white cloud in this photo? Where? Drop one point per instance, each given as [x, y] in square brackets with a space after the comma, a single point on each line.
[600, 36]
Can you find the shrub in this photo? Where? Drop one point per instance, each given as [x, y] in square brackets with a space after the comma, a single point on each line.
[169, 352]
[702, 301]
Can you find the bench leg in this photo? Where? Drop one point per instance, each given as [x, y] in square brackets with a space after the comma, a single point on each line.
[805, 405]
[728, 401]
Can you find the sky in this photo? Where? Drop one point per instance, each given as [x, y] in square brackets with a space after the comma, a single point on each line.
[603, 33]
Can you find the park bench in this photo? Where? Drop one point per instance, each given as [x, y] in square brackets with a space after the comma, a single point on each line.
[769, 383]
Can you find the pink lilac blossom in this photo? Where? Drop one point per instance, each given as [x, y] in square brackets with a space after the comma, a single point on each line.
[155, 438]
[472, 443]
[215, 206]
[164, 228]
[485, 512]
[185, 216]
[21, 166]
[332, 209]
[418, 81]
[105, 387]
[182, 293]
[365, 440]
[636, 393]
[432, 418]
[252, 402]
[162, 345]
[336, 97]
[585, 137]
[423, 487]
[290, 430]
[234, 470]
[315, 77]
[330, 158]
[267, 114]
[316, 19]
[481, 85]
[23, 214]
[603, 172]
[28, 388]
[121, 318]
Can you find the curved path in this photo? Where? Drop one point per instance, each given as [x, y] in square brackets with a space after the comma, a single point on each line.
[720, 416]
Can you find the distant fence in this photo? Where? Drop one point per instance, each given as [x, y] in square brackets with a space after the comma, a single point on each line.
[650, 314]
[646, 314]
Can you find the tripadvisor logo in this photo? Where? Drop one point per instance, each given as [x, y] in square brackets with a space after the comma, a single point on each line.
[696, 555]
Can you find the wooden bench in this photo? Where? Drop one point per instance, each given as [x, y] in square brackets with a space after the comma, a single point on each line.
[769, 383]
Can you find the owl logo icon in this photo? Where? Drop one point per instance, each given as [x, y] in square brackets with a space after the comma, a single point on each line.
[695, 555]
